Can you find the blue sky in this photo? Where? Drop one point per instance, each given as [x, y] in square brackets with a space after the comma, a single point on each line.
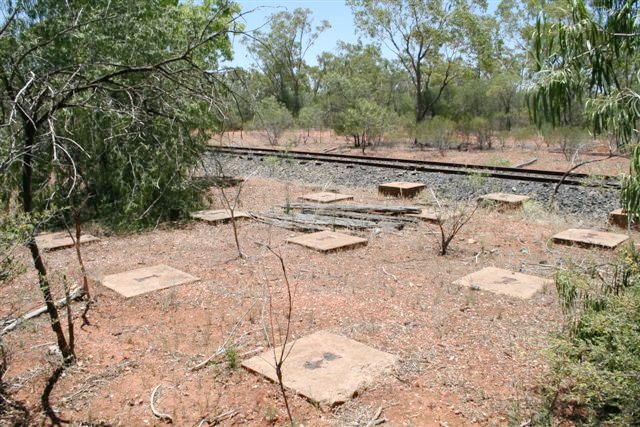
[334, 11]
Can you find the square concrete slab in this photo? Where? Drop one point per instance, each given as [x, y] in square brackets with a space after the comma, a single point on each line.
[505, 199]
[324, 367]
[401, 189]
[61, 240]
[326, 197]
[589, 238]
[325, 241]
[147, 279]
[619, 218]
[504, 282]
[218, 216]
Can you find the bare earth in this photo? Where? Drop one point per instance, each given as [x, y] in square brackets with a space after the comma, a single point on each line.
[468, 357]
[503, 153]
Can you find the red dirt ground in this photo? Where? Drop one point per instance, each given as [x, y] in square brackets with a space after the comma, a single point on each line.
[468, 357]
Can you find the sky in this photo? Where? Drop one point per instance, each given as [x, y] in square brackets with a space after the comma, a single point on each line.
[335, 11]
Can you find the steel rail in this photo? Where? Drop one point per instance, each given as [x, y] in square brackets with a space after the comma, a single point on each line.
[527, 175]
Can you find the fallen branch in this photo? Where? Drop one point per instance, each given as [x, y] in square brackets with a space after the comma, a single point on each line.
[12, 324]
[527, 163]
[566, 174]
[163, 417]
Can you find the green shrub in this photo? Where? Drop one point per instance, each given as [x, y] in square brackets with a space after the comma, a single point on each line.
[569, 139]
[630, 194]
[366, 122]
[436, 132]
[596, 361]
[483, 131]
[272, 118]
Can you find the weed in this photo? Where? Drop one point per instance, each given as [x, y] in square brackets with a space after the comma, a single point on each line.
[476, 180]
[498, 162]
[271, 414]
[596, 360]
[232, 358]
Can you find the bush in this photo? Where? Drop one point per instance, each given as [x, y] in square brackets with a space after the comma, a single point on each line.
[366, 122]
[436, 132]
[272, 118]
[596, 362]
[483, 131]
[569, 139]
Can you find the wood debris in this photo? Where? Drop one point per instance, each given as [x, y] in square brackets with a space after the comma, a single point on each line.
[318, 217]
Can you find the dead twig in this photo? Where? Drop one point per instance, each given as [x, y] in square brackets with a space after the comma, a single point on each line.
[393, 276]
[162, 416]
[222, 348]
[218, 418]
[375, 420]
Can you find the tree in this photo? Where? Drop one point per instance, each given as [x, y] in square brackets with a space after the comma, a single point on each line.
[99, 102]
[357, 91]
[503, 88]
[366, 123]
[431, 39]
[594, 53]
[280, 54]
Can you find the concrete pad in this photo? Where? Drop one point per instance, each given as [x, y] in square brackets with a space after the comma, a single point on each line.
[589, 238]
[219, 216]
[619, 218]
[325, 241]
[430, 215]
[505, 199]
[504, 282]
[59, 240]
[401, 189]
[147, 279]
[326, 197]
[324, 367]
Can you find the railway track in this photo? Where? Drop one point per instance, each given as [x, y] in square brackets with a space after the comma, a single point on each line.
[528, 175]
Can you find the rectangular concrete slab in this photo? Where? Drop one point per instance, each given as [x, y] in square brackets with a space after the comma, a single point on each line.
[589, 238]
[324, 367]
[401, 189]
[325, 241]
[504, 282]
[619, 218]
[430, 215]
[218, 216]
[59, 240]
[326, 197]
[505, 199]
[147, 279]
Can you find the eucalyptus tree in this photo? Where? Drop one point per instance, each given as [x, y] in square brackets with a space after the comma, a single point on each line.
[593, 53]
[432, 39]
[357, 91]
[280, 54]
[101, 103]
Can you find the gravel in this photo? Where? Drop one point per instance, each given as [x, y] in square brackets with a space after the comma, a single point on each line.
[591, 203]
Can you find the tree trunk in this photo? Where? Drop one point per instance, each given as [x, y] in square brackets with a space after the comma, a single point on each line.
[27, 204]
